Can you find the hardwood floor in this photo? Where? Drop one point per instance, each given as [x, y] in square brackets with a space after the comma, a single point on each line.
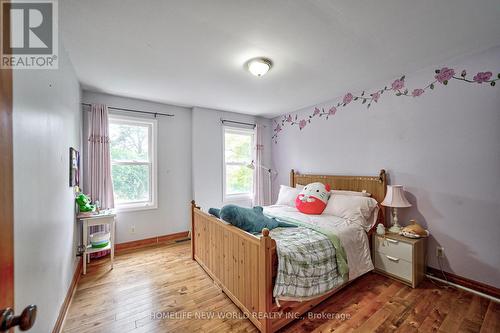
[163, 278]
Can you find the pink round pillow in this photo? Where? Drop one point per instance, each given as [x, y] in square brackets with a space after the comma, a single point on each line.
[313, 198]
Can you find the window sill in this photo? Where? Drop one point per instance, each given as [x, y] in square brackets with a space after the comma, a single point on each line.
[237, 198]
[133, 208]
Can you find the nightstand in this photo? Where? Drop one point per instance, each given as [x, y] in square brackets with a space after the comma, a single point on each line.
[400, 257]
[89, 220]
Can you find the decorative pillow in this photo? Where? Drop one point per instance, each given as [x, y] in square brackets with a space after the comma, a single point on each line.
[287, 196]
[360, 210]
[313, 198]
[299, 187]
[352, 193]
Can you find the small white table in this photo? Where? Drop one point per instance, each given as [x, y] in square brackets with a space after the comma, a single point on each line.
[102, 218]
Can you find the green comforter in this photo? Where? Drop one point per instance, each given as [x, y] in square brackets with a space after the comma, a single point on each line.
[311, 261]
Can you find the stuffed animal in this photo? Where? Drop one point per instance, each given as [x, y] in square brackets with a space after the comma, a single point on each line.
[251, 220]
[313, 198]
[83, 202]
[414, 230]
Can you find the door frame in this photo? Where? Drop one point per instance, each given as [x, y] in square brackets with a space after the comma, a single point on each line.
[6, 185]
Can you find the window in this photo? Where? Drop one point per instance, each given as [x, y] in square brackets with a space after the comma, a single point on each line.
[133, 162]
[238, 154]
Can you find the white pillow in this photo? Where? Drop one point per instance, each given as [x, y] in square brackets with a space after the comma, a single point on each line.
[351, 193]
[372, 220]
[360, 210]
[343, 192]
[287, 195]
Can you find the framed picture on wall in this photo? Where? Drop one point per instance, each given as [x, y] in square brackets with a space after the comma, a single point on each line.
[74, 167]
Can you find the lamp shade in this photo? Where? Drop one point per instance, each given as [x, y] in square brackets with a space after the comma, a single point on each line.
[395, 197]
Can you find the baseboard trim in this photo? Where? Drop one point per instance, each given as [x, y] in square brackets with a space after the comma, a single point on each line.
[137, 244]
[69, 296]
[464, 282]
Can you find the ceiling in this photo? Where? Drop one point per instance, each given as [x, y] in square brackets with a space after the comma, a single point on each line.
[192, 53]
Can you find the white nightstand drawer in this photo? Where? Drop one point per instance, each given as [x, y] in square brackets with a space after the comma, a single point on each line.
[394, 248]
[393, 265]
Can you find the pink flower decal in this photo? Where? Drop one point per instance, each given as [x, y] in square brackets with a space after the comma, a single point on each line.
[398, 84]
[397, 88]
[302, 124]
[417, 92]
[482, 77]
[444, 75]
[347, 98]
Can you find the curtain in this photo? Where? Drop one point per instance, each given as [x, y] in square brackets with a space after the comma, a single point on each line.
[98, 182]
[259, 172]
[97, 172]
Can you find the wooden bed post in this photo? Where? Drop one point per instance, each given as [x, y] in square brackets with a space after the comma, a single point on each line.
[292, 178]
[193, 207]
[265, 281]
[382, 176]
[383, 210]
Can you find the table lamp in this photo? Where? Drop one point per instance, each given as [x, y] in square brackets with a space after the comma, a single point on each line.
[395, 198]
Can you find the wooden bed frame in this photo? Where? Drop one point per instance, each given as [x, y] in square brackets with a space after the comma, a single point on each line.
[244, 265]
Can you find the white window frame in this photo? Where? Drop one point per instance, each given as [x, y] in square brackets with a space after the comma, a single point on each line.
[153, 167]
[237, 196]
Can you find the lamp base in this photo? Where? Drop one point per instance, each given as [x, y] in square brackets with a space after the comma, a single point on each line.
[395, 229]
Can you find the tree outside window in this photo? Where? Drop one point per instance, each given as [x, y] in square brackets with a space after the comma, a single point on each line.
[238, 152]
[132, 159]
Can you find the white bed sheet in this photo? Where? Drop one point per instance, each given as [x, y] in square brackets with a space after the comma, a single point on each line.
[352, 236]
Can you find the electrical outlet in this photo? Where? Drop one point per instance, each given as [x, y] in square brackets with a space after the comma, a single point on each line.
[132, 229]
[440, 252]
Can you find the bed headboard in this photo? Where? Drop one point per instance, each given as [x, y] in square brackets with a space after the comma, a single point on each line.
[376, 185]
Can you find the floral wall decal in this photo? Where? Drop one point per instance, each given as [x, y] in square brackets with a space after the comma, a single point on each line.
[442, 77]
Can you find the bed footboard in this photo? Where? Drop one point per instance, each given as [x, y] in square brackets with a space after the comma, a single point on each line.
[239, 262]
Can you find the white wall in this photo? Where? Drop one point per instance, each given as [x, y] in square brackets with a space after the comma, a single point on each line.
[174, 171]
[444, 146]
[207, 154]
[47, 122]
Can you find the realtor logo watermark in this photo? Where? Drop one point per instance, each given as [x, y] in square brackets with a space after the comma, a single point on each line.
[33, 39]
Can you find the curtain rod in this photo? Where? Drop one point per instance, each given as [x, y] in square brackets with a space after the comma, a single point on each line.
[136, 111]
[236, 122]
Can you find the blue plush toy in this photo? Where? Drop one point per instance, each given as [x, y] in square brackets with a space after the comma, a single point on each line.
[251, 220]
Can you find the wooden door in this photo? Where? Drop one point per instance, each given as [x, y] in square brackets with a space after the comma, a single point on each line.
[6, 191]
[7, 318]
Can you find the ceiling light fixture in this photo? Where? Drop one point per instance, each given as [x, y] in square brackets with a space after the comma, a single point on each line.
[259, 66]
